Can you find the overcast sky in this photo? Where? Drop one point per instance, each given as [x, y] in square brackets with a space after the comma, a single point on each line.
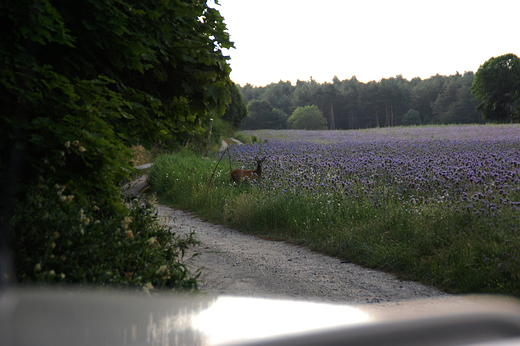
[296, 39]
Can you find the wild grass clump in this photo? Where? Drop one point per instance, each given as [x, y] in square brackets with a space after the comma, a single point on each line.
[245, 138]
[242, 137]
[444, 213]
[58, 239]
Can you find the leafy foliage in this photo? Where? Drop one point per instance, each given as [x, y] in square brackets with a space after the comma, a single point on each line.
[307, 118]
[261, 115]
[81, 81]
[497, 86]
[165, 83]
[57, 237]
[411, 117]
[280, 96]
[236, 111]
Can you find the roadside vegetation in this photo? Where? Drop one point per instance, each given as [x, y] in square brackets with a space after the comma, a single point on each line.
[81, 84]
[420, 203]
[61, 241]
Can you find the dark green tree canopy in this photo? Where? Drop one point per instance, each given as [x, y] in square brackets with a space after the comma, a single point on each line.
[82, 80]
[411, 117]
[262, 115]
[497, 86]
[350, 104]
[279, 96]
[236, 110]
[123, 71]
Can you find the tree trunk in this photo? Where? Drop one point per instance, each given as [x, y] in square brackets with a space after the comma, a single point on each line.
[387, 120]
[392, 114]
[332, 125]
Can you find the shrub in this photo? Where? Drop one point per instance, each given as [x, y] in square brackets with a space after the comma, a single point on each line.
[242, 137]
[411, 117]
[58, 239]
[307, 118]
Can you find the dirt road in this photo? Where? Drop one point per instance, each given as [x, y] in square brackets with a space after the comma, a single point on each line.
[238, 264]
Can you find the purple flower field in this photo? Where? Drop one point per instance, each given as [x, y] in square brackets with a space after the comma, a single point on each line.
[443, 132]
[465, 168]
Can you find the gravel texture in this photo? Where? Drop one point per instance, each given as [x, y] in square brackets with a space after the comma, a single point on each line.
[234, 263]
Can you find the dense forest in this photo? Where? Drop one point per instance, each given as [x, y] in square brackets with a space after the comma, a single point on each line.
[351, 104]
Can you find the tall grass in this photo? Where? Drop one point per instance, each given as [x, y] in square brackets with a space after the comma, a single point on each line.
[455, 250]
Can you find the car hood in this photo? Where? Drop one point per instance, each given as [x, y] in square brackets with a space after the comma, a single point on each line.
[63, 316]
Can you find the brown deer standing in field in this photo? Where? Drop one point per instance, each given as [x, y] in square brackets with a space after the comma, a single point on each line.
[239, 175]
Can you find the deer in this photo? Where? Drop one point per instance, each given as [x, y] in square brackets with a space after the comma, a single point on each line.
[240, 175]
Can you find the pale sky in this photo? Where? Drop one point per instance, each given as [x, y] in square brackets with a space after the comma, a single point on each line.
[371, 39]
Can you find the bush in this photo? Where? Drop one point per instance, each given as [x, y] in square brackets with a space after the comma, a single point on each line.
[58, 240]
[242, 137]
[307, 118]
[412, 117]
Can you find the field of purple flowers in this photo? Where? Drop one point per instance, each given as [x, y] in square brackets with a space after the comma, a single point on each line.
[442, 132]
[472, 168]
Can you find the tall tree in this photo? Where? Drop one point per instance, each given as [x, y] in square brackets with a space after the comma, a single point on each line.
[280, 96]
[455, 104]
[497, 86]
[261, 115]
[236, 110]
[465, 106]
[321, 95]
[423, 95]
[351, 98]
[250, 93]
[369, 104]
[346, 103]
[304, 93]
[394, 100]
[123, 71]
[442, 114]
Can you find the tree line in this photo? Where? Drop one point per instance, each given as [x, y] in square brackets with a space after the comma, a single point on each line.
[351, 104]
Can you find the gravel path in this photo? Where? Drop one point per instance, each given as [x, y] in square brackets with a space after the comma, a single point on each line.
[238, 264]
